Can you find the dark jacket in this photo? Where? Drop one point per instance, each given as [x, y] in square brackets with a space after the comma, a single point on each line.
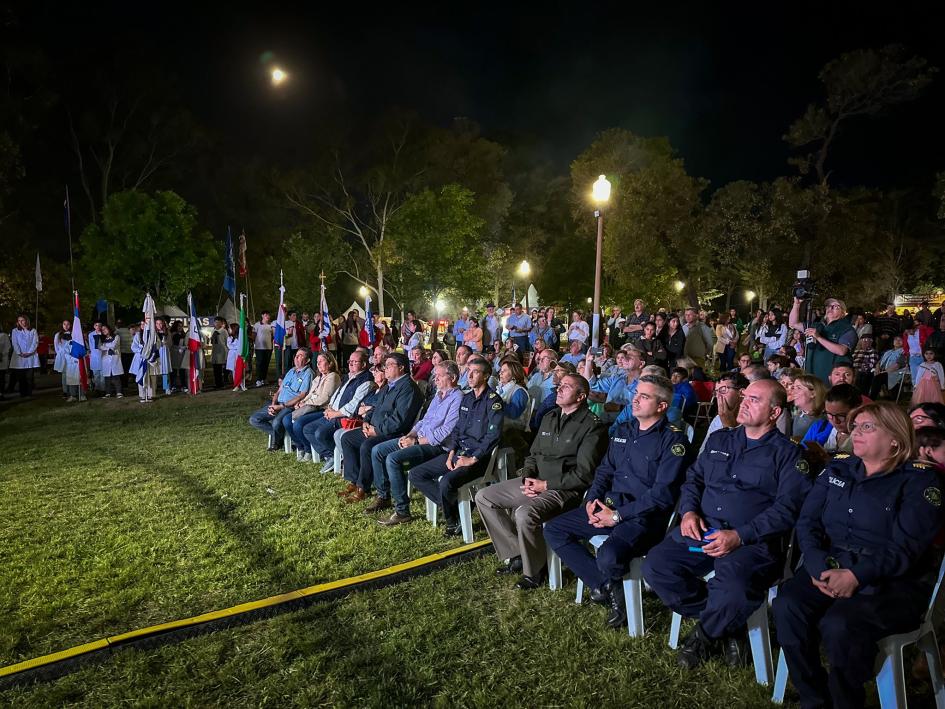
[396, 408]
[567, 449]
[479, 425]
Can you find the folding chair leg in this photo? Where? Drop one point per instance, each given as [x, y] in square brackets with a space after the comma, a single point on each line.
[928, 643]
[555, 581]
[674, 631]
[465, 520]
[633, 597]
[760, 641]
[780, 679]
[891, 681]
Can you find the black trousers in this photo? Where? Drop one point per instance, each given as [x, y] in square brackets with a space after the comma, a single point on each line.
[441, 485]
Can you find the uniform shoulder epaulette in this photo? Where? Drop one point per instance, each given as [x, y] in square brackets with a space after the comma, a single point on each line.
[921, 465]
[841, 456]
[492, 395]
[675, 428]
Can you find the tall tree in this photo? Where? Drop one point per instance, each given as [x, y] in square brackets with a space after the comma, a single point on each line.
[147, 243]
[859, 83]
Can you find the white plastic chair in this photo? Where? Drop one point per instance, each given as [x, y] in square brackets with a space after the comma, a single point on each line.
[555, 575]
[759, 636]
[497, 470]
[632, 590]
[890, 673]
[286, 443]
[906, 376]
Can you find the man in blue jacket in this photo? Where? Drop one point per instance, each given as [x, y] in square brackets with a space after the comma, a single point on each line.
[392, 416]
[469, 447]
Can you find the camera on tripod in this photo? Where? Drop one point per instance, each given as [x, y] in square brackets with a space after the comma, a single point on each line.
[803, 288]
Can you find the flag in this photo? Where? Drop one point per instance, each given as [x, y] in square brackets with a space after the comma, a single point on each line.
[149, 350]
[229, 277]
[193, 344]
[78, 348]
[326, 318]
[278, 333]
[242, 359]
[39, 275]
[366, 338]
[241, 260]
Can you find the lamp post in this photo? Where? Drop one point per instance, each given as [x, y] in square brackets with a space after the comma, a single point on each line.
[524, 270]
[600, 193]
[749, 296]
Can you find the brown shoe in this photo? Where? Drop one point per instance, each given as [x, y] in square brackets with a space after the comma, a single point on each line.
[379, 503]
[349, 488]
[357, 496]
[395, 519]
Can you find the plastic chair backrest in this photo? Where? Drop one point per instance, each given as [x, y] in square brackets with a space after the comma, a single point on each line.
[704, 390]
[490, 474]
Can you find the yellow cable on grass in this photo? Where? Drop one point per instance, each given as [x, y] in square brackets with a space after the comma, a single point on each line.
[233, 611]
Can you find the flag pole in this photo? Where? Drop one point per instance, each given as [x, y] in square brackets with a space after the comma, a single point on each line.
[68, 215]
[281, 363]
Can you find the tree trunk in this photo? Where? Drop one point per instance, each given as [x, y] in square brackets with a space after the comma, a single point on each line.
[692, 294]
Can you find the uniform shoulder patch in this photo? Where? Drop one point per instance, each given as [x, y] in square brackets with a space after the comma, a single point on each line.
[492, 395]
[841, 456]
[496, 406]
[802, 466]
[933, 496]
[678, 449]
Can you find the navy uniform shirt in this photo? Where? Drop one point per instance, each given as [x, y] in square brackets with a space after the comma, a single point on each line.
[479, 425]
[878, 527]
[757, 491]
[642, 471]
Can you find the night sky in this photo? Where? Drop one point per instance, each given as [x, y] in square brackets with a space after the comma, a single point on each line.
[722, 83]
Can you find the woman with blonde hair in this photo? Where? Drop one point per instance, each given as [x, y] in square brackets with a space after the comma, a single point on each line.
[312, 405]
[810, 393]
[865, 533]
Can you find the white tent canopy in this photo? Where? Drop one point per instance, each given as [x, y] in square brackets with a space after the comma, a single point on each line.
[171, 311]
[229, 311]
[354, 306]
[532, 297]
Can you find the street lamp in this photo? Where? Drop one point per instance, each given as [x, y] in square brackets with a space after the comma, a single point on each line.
[278, 76]
[600, 193]
[679, 285]
[363, 291]
[749, 296]
[523, 271]
[439, 305]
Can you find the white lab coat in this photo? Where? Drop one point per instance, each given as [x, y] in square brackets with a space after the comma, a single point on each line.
[24, 341]
[94, 341]
[111, 363]
[232, 352]
[62, 348]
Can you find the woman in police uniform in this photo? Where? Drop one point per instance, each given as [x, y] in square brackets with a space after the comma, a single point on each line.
[865, 531]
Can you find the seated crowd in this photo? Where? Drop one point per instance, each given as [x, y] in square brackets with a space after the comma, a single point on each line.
[802, 481]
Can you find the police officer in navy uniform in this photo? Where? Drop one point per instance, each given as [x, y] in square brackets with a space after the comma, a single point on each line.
[866, 531]
[739, 503]
[469, 447]
[631, 499]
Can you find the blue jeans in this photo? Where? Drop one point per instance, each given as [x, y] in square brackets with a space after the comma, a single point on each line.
[271, 424]
[914, 361]
[293, 427]
[387, 461]
[320, 434]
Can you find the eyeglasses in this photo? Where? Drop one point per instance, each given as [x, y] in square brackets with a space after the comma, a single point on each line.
[865, 427]
[836, 417]
[725, 389]
[833, 306]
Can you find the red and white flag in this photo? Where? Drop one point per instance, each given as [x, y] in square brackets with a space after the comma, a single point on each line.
[194, 346]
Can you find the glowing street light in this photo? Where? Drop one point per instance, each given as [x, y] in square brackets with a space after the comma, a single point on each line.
[750, 296]
[600, 193]
[679, 285]
[524, 270]
[278, 76]
[363, 291]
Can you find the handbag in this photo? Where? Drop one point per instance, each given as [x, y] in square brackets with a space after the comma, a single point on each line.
[351, 422]
[307, 409]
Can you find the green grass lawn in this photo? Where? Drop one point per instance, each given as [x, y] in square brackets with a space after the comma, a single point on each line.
[118, 516]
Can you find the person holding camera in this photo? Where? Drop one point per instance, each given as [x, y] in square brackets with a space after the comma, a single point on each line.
[828, 341]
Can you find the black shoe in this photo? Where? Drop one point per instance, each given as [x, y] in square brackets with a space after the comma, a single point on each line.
[512, 566]
[696, 649]
[273, 449]
[453, 530]
[617, 618]
[530, 583]
[600, 595]
[735, 650]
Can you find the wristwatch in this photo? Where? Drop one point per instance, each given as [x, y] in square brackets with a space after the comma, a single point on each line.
[616, 517]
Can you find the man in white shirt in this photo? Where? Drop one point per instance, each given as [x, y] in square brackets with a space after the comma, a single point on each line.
[262, 343]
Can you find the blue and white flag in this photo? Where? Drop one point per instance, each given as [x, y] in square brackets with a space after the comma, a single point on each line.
[77, 347]
[326, 318]
[149, 350]
[278, 333]
[229, 277]
[368, 321]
